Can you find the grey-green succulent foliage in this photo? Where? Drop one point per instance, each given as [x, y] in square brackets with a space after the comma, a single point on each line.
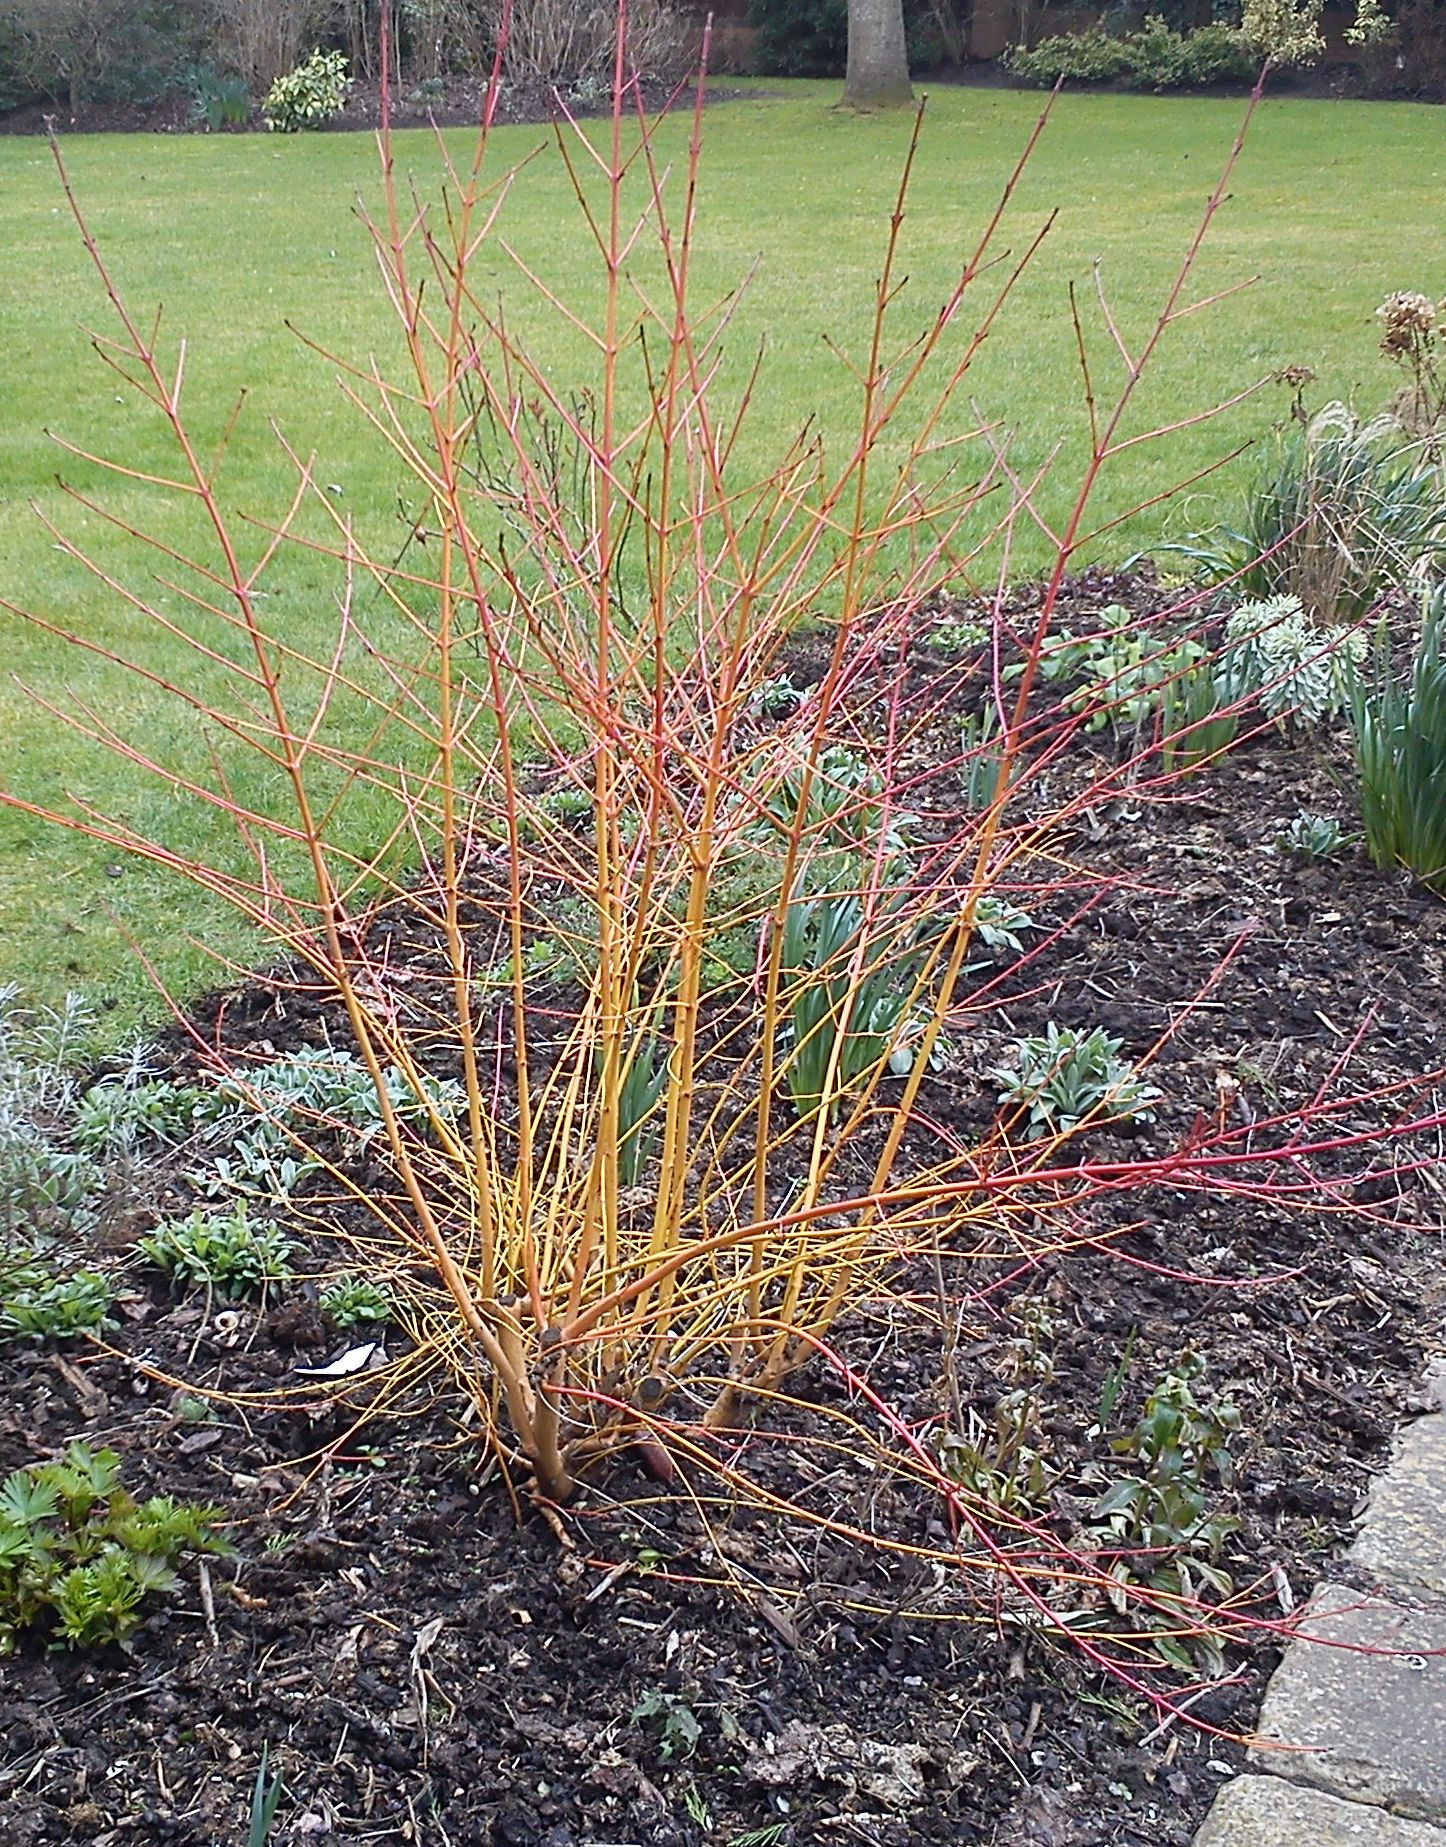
[1066, 1076]
[1309, 836]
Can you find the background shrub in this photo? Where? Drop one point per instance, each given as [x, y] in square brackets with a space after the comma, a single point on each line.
[1157, 57]
[312, 95]
[1079, 57]
[77, 51]
[800, 38]
[567, 42]
[1167, 60]
[1419, 64]
[1402, 48]
[218, 99]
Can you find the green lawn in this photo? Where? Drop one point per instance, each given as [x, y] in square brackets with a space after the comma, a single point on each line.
[1334, 205]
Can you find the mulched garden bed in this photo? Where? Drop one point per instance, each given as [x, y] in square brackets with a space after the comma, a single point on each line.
[424, 1669]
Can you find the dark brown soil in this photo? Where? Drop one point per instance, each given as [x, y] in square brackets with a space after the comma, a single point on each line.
[423, 1668]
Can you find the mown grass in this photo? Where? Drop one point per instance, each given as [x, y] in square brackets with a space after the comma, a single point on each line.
[1334, 205]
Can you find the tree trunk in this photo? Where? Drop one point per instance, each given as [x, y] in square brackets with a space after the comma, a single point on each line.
[878, 72]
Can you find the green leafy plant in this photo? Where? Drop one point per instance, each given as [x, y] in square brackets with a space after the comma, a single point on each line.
[1126, 670]
[1163, 59]
[329, 1087]
[68, 1151]
[352, 1300]
[225, 1251]
[116, 1114]
[1062, 656]
[1199, 712]
[1343, 513]
[852, 976]
[39, 1303]
[1000, 924]
[835, 801]
[265, 1799]
[312, 95]
[188, 1408]
[1400, 738]
[1162, 1519]
[1156, 57]
[1001, 1457]
[777, 699]
[267, 1116]
[81, 1554]
[569, 807]
[47, 1187]
[1283, 33]
[1076, 57]
[672, 1720]
[1311, 836]
[43, 1186]
[982, 744]
[638, 1097]
[1066, 1075]
[219, 99]
[956, 636]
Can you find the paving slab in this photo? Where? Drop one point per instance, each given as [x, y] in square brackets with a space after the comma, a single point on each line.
[1372, 1725]
[1265, 1811]
[1403, 1540]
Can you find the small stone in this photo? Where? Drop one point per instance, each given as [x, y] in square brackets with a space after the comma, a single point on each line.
[1366, 1718]
[1266, 1811]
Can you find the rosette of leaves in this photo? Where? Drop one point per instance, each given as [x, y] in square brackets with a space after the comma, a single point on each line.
[1311, 837]
[1065, 1076]
[352, 1300]
[229, 1252]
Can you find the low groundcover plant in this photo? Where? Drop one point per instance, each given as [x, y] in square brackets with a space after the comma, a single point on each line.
[228, 1251]
[79, 1554]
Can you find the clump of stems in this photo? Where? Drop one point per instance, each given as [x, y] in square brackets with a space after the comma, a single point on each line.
[645, 1214]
